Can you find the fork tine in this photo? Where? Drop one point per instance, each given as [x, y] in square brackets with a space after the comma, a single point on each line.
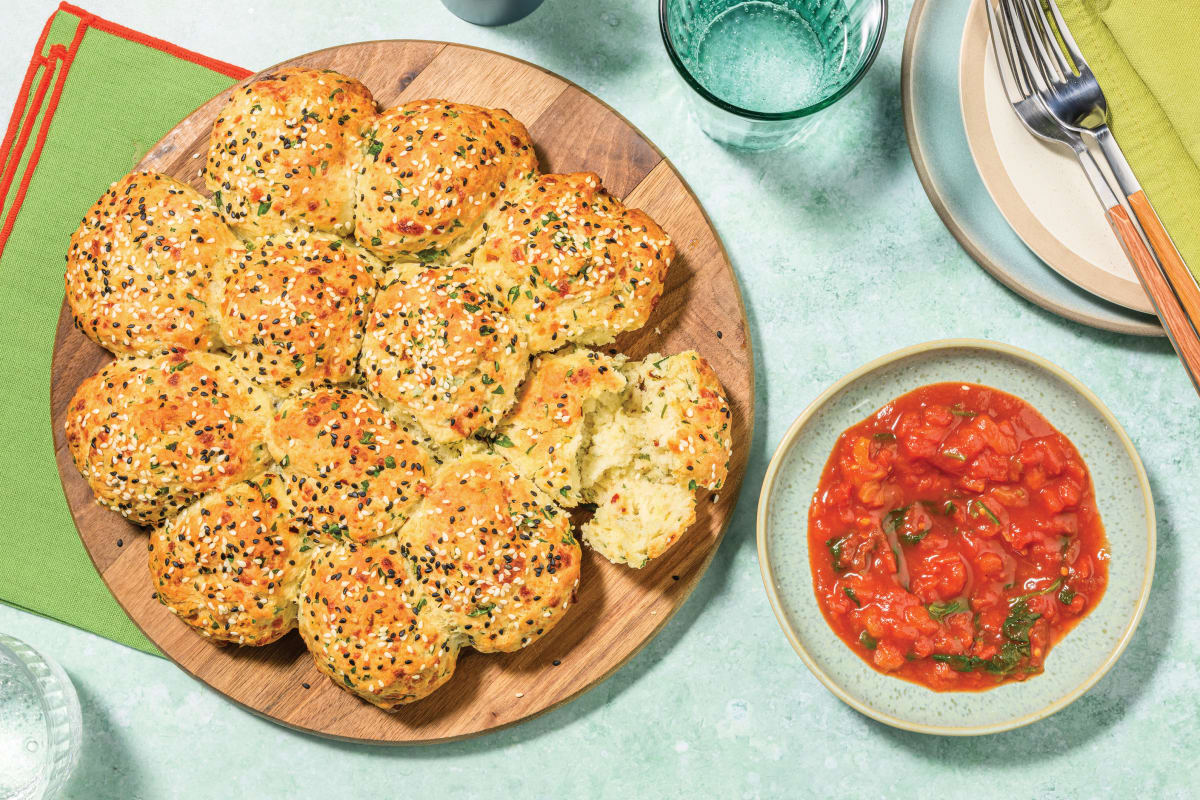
[1027, 66]
[1035, 68]
[1000, 44]
[1046, 42]
[1068, 39]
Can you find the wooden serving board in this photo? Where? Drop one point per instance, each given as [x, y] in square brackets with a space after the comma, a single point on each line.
[618, 609]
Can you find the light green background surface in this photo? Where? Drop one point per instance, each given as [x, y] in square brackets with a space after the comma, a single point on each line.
[841, 259]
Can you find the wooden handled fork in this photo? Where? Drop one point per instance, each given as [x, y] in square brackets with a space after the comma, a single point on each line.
[1168, 284]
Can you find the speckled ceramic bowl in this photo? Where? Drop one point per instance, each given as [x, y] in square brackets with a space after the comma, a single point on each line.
[1122, 493]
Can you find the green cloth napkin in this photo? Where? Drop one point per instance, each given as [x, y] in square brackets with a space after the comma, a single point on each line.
[97, 96]
[1145, 55]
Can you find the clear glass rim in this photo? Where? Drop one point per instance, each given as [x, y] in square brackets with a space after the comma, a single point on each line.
[825, 102]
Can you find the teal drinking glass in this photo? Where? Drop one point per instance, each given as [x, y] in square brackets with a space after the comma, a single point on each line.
[761, 70]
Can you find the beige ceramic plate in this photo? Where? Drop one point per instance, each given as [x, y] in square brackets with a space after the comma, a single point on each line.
[1038, 187]
[1122, 494]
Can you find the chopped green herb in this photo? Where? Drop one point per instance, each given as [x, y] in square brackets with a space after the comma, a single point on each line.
[940, 611]
[850, 593]
[1051, 588]
[430, 253]
[835, 546]
[895, 518]
[959, 662]
[868, 641]
[479, 611]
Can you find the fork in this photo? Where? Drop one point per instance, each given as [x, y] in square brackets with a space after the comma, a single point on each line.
[1077, 101]
[1012, 49]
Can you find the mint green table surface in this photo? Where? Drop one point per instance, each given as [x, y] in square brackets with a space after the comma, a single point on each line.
[841, 259]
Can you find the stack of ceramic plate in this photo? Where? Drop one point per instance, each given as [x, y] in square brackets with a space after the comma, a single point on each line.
[1009, 198]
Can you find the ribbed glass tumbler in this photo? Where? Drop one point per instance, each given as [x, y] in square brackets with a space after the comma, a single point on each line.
[758, 71]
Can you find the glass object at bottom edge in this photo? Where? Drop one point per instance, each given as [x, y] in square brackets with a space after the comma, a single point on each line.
[41, 727]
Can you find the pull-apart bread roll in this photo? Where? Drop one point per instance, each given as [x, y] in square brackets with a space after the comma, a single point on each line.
[140, 264]
[572, 264]
[649, 456]
[431, 170]
[150, 435]
[550, 427]
[230, 565]
[293, 309]
[371, 627]
[359, 472]
[441, 350]
[285, 152]
[493, 554]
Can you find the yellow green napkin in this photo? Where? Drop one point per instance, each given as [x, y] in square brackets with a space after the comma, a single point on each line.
[95, 98]
[1146, 55]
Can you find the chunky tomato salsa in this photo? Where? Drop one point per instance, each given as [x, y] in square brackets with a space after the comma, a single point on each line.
[954, 538]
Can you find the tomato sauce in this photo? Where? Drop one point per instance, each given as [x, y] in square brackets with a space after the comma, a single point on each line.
[954, 538]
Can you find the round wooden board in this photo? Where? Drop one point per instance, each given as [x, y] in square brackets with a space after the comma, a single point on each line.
[618, 610]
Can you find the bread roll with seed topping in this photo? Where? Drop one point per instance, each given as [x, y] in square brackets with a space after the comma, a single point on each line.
[230, 565]
[493, 554]
[140, 265]
[550, 427]
[441, 350]
[358, 472]
[431, 170]
[371, 627]
[570, 263]
[293, 308]
[285, 152]
[150, 435]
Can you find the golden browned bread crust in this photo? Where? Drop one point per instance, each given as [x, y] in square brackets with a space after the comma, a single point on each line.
[150, 435]
[370, 626]
[493, 553]
[285, 151]
[572, 264]
[431, 170]
[292, 310]
[361, 449]
[443, 351]
[140, 264]
[230, 565]
[547, 430]
[358, 472]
